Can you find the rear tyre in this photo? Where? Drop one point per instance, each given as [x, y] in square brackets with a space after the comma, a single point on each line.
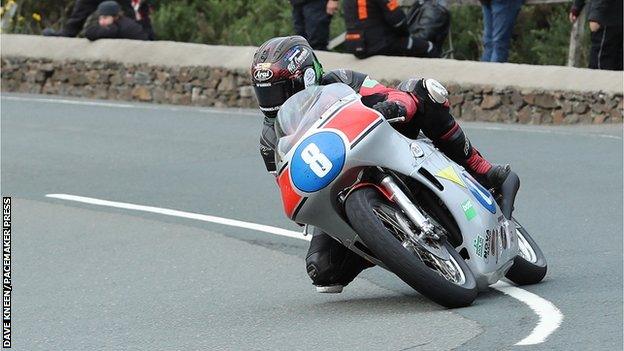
[366, 210]
[530, 265]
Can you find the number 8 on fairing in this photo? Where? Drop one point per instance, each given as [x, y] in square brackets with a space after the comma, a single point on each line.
[318, 162]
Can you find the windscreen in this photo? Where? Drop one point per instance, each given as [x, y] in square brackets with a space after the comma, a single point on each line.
[303, 109]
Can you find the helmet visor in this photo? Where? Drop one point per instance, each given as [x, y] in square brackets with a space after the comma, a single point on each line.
[271, 96]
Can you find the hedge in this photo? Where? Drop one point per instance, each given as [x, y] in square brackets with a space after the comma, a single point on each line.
[541, 34]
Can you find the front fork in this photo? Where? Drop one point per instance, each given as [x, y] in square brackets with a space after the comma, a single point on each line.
[423, 223]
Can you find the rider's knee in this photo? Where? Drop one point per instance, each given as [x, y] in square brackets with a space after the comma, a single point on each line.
[335, 267]
[434, 115]
[320, 268]
[328, 262]
[427, 90]
[321, 258]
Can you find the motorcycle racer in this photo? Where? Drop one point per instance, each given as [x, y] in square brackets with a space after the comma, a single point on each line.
[284, 66]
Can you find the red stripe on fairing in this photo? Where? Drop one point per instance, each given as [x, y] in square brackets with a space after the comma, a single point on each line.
[290, 199]
[353, 120]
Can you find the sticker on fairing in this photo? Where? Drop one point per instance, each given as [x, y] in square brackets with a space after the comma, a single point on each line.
[317, 161]
[469, 210]
[482, 195]
[449, 173]
[481, 247]
[369, 83]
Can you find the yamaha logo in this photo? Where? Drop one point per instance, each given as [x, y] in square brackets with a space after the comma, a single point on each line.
[263, 74]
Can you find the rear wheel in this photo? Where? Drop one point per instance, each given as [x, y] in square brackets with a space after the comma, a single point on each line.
[530, 265]
[432, 267]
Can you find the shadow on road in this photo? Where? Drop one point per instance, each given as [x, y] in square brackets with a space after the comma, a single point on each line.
[379, 305]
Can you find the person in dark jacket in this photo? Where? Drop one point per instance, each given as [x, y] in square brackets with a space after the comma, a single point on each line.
[379, 27]
[112, 24]
[311, 19]
[283, 66]
[605, 24]
[82, 10]
[140, 10]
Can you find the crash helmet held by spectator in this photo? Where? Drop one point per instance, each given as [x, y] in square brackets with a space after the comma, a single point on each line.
[282, 67]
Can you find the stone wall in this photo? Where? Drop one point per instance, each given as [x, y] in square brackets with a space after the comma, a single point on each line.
[220, 87]
[532, 106]
[109, 80]
[484, 103]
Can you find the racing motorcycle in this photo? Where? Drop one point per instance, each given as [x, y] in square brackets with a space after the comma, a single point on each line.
[397, 202]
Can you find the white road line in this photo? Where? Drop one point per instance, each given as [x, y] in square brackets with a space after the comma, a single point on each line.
[182, 214]
[550, 317]
[134, 106]
[506, 128]
[70, 102]
[541, 131]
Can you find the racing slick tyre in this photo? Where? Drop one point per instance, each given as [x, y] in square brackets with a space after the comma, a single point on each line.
[530, 265]
[448, 282]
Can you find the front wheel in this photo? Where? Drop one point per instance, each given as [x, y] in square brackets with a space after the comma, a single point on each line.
[443, 277]
[530, 265]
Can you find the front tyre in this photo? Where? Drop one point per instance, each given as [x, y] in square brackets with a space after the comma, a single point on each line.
[530, 265]
[378, 222]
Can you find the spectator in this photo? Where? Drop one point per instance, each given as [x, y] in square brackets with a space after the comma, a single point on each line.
[379, 27]
[311, 19]
[499, 17]
[140, 10]
[82, 10]
[113, 24]
[605, 24]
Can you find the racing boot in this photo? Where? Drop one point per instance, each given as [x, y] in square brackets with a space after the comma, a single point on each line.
[458, 148]
[496, 176]
[330, 265]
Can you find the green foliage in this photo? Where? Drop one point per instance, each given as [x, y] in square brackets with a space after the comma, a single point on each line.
[233, 22]
[541, 35]
[544, 38]
[550, 45]
[466, 32]
[32, 16]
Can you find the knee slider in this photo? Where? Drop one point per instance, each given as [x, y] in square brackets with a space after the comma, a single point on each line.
[429, 90]
[436, 91]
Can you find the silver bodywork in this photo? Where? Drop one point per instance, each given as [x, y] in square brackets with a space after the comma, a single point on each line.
[488, 238]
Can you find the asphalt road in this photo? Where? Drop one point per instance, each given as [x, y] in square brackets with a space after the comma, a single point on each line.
[88, 277]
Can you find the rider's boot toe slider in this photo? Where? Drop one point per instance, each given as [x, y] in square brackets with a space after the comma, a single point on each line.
[329, 289]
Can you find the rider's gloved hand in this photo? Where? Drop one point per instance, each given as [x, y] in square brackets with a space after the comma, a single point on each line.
[390, 109]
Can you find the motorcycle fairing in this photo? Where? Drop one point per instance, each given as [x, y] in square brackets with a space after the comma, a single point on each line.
[343, 125]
